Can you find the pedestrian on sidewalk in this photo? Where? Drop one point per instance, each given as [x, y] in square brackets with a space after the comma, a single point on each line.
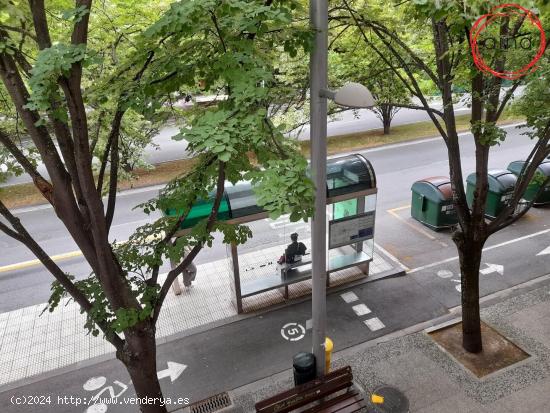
[188, 273]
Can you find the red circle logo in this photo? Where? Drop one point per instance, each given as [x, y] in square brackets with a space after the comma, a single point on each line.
[514, 13]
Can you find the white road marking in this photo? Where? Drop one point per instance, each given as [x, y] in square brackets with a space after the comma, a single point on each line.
[97, 408]
[309, 324]
[374, 324]
[544, 252]
[458, 287]
[94, 383]
[445, 274]
[173, 371]
[491, 268]
[298, 229]
[512, 241]
[361, 309]
[349, 297]
[293, 331]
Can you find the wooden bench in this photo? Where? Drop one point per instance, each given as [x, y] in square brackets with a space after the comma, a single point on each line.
[334, 393]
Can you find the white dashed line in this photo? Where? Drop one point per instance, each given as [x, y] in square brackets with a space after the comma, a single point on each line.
[374, 324]
[361, 309]
[349, 297]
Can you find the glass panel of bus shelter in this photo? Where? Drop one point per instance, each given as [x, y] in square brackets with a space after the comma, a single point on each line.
[344, 208]
[242, 199]
[349, 174]
[370, 206]
[258, 256]
[200, 210]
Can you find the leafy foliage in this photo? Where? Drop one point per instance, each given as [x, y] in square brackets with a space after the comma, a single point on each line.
[51, 64]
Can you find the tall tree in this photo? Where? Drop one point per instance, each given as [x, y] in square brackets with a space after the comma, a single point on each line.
[60, 84]
[350, 60]
[449, 63]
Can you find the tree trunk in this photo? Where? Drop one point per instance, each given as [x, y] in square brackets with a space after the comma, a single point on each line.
[469, 252]
[140, 358]
[387, 127]
[386, 118]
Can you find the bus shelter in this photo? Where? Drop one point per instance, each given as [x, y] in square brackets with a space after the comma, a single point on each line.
[351, 207]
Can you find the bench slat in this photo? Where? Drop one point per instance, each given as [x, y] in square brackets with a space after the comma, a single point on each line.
[350, 401]
[288, 404]
[306, 393]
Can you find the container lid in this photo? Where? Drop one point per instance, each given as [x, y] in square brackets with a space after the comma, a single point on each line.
[436, 188]
[303, 361]
[499, 180]
[437, 180]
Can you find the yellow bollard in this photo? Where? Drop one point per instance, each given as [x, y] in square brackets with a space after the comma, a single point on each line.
[376, 399]
[329, 345]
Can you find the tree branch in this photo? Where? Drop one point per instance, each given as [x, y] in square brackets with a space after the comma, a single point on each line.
[63, 198]
[43, 186]
[416, 91]
[24, 237]
[536, 157]
[113, 176]
[19, 30]
[40, 23]
[444, 68]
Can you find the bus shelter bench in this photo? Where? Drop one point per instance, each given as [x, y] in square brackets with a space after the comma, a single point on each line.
[334, 393]
[286, 268]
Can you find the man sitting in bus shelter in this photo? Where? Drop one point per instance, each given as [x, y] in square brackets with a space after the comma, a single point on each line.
[293, 252]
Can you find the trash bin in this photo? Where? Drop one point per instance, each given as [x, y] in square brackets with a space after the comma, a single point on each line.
[432, 203]
[543, 172]
[501, 188]
[303, 365]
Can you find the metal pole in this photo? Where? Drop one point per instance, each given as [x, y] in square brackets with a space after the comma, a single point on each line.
[318, 70]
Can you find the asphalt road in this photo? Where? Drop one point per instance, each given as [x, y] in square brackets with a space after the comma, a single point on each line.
[226, 357]
[238, 353]
[250, 349]
[397, 167]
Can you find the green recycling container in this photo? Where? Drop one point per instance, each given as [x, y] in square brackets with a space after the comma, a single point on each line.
[501, 189]
[543, 172]
[432, 203]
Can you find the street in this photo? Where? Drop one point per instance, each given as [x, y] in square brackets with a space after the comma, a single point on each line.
[244, 351]
[207, 362]
[24, 284]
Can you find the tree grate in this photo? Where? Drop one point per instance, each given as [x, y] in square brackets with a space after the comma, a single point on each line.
[212, 404]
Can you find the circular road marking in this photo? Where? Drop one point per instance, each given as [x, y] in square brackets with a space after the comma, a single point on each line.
[293, 331]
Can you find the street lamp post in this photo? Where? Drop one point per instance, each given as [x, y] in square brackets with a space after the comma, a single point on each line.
[350, 95]
[318, 75]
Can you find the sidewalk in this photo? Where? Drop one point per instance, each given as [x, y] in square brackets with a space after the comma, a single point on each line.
[31, 343]
[432, 380]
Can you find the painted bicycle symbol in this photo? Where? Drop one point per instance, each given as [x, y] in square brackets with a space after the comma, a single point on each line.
[96, 383]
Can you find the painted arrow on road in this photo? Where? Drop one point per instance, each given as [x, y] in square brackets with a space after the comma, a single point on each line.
[544, 252]
[173, 371]
[492, 268]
